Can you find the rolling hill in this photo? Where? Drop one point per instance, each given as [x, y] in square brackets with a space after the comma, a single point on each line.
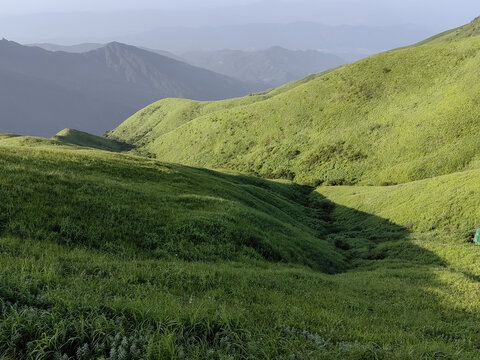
[399, 116]
[274, 66]
[45, 91]
[470, 30]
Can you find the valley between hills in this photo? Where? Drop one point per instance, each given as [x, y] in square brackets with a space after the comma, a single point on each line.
[329, 218]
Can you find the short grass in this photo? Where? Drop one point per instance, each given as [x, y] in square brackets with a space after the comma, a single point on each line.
[112, 256]
[396, 117]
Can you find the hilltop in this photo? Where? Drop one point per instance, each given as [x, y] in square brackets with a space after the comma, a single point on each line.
[44, 91]
[395, 117]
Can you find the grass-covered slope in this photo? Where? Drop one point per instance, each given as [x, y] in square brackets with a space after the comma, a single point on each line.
[445, 203]
[111, 256]
[167, 115]
[124, 204]
[399, 116]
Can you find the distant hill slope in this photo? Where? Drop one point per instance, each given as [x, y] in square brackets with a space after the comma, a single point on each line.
[395, 117]
[46, 91]
[273, 67]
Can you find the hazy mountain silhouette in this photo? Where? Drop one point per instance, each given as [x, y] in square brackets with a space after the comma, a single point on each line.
[77, 48]
[86, 47]
[274, 66]
[44, 92]
[298, 35]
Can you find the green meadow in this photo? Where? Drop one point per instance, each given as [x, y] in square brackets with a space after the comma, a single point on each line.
[331, 218]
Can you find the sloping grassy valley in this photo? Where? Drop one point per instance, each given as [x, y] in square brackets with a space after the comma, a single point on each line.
[161, 241]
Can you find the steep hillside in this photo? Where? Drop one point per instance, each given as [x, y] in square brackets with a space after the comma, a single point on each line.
[399, 116]
[46, 91]
[273, 67]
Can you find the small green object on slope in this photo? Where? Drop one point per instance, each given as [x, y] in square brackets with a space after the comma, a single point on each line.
[476, 239]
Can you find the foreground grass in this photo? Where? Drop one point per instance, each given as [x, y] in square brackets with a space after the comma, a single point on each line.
[108, 256]
[84, 304]
[396, 117]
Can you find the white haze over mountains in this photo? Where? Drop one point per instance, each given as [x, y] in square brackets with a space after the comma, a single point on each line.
[68, 22]
[436, 14]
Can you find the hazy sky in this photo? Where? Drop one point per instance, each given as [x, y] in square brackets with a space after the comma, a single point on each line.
[434, 13]
[88, 20]
[29, 6]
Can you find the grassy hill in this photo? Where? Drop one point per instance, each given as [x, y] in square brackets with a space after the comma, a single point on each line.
[399, 116]
[113, 256]
[108, 201]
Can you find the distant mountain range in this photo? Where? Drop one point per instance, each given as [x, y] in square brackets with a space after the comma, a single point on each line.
[43, 91]
[274, 66]
[86, 47]
[348, 39]
[271, 67]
